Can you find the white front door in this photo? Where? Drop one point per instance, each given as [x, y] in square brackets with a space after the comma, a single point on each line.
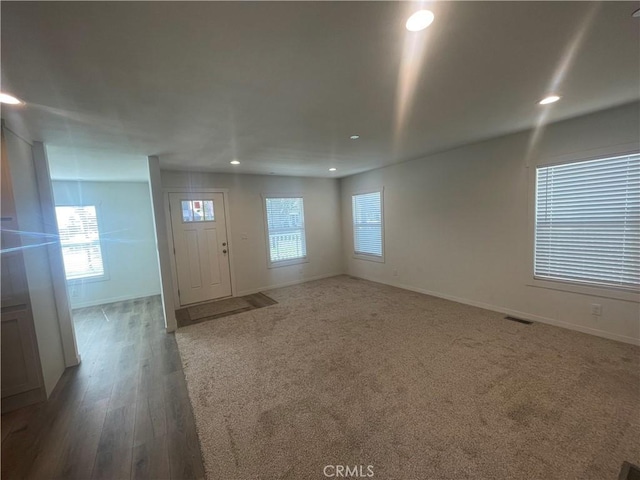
[201, 247]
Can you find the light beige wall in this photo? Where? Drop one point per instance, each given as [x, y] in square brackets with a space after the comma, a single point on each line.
[164, 257]
[248, 236]
[36, 259]
[128, 242]
[458, 224]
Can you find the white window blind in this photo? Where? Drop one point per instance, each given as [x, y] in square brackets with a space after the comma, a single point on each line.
[285, 225]
[587, 225]
[80, 239]
[367, 223]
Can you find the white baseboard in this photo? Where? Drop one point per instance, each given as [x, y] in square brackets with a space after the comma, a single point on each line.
[514, 313]
[287, 284]
[103, 301]
[74, 361]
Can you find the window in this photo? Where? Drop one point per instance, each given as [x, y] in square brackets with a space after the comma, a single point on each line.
[80, 239]
[197, 211]
[368, 226]
[285, 228]
[587, 222]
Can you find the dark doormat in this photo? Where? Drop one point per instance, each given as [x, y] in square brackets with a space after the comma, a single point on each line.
[221, 308]
[629, 471]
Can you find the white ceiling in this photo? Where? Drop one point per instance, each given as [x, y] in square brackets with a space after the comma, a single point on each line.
[281, 86]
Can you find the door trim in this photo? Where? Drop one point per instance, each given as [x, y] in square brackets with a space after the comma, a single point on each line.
[227, 217]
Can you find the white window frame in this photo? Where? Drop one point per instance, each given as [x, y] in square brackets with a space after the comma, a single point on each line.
[610, 292]
[364, 256]
[293, 261]
[103, 253]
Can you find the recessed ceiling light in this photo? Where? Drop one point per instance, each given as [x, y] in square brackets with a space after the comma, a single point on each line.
[11, 100]
[234, 162]
[420, 20]
[354, 137]
[332, 169]
[636, 14]
[549, 99]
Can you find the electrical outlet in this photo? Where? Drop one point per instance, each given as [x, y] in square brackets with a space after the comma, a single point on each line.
[596, 309]
[395, 272]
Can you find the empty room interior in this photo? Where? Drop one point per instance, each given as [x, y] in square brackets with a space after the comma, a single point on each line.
[309, 240]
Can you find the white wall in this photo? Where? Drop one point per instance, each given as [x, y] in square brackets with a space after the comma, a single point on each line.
[248, 237]
[163, 255]
[125, 221]
[54, 251]
[34, 240]
[458, 224]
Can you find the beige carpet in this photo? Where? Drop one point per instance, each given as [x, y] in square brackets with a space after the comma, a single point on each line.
[347, 372]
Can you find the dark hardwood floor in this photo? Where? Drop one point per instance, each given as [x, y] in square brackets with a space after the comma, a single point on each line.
[122, 413]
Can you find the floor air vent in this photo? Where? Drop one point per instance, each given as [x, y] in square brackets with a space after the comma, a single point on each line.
[519, 320]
